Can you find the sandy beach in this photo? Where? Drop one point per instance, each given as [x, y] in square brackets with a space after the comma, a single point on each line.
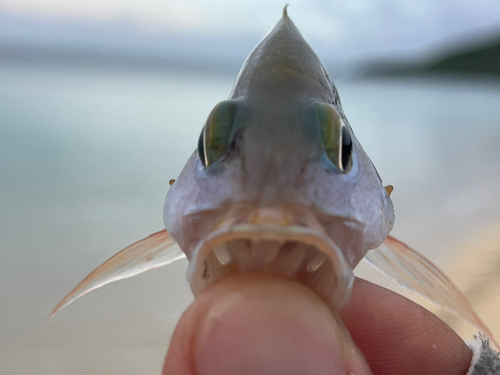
[476, 272]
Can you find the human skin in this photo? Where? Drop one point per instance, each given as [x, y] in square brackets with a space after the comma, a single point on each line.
[252, 323]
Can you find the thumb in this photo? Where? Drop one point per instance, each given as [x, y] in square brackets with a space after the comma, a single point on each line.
[252, 323]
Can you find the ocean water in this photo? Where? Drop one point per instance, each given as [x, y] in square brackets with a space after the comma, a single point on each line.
[85, 160]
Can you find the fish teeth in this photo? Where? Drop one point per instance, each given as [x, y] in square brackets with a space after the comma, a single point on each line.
[240, 254]
[296, 257]
[292, 259]
[265, 251]
[286, 258]
[223, 255]
[316, 262]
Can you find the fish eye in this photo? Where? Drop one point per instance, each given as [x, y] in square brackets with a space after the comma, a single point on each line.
[335, 137]
[201, 148]
[216, 137]
[346, 148]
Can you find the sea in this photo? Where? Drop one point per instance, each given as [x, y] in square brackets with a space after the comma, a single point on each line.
[85, 160]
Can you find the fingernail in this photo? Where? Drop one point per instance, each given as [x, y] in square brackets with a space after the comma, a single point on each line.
[267, 325]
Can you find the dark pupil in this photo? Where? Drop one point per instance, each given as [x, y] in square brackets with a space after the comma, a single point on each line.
[201, 149]
[346, 147]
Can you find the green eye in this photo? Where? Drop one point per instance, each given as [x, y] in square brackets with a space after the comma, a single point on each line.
[335, 136]
[216, 137]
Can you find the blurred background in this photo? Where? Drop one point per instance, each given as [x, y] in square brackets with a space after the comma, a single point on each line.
[102, 102]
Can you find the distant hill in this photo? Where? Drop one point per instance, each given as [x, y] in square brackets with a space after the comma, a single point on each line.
[133, 60]
[478, 60]
[484, 59]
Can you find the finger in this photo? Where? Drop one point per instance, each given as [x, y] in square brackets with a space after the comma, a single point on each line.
[398, 336]
[260, 324]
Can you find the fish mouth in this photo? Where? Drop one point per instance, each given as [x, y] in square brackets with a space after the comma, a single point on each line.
[284, 241]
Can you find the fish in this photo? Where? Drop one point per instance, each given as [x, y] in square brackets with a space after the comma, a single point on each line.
[279, 184]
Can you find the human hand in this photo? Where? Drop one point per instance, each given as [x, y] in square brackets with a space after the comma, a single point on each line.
[249, 324]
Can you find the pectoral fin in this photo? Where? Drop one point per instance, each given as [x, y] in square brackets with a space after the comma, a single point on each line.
[154, 251]
[414, 272]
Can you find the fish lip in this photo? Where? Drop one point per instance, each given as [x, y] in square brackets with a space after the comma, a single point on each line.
[276, 231]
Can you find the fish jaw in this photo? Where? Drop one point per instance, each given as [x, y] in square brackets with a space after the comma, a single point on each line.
[288, 241]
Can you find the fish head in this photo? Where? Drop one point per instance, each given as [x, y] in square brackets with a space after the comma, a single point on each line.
[279, 182]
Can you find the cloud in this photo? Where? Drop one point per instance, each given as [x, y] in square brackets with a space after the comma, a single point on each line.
[341, 29]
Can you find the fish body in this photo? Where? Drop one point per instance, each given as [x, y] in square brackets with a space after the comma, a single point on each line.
[279, 184]
[276, 159]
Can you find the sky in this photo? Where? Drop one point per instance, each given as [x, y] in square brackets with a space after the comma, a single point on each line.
[344, 29]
